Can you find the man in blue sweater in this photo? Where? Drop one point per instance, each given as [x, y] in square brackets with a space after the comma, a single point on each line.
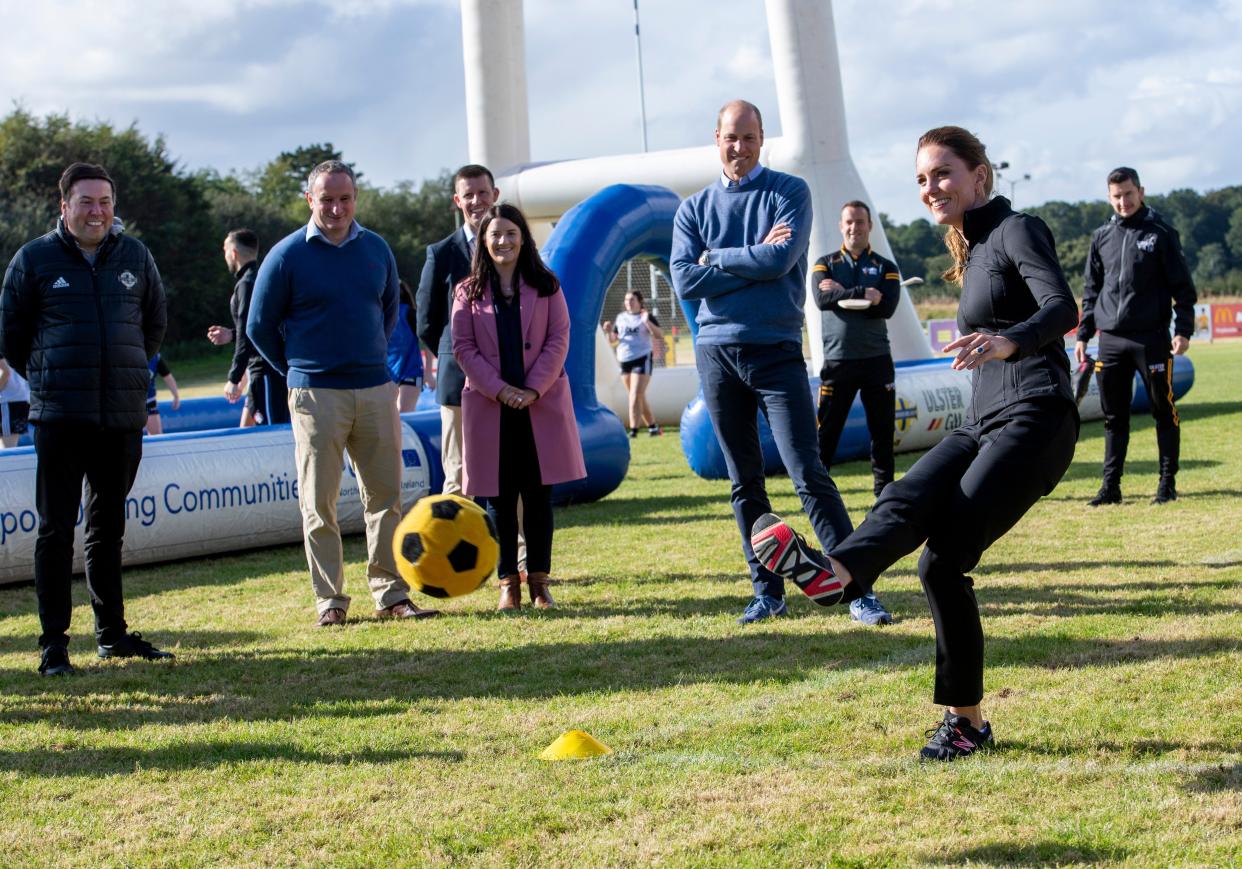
[739, 250]
[325, 302]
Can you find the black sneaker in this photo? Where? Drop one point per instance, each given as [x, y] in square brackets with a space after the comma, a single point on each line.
[55, 661]
[784, 552]
[655, 431]
[133, 646]
[1106, 495]
[1165, 492]
[633, 432]
[954, 738]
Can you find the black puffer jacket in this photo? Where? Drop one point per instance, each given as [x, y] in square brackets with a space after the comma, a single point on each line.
[82, 333]
[1136, 275]
[1014, 287]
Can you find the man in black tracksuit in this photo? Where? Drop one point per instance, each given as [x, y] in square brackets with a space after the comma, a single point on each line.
[267, 397]
[1135, 274]
[81, 311]
[857, 358]
[856, 352]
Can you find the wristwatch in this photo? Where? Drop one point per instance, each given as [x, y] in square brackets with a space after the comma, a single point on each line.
[703, 256]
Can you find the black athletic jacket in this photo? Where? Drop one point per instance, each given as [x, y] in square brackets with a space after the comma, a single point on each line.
[1014, 287]
[245, 355]
[82, 333]
[856, 334]
[1135, 272]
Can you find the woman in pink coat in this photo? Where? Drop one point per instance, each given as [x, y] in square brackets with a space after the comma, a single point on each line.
[510, 336]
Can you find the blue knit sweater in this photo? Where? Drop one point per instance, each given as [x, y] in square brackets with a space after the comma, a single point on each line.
[748, 293]
[321, 314]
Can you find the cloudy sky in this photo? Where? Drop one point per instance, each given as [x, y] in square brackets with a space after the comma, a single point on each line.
[1062, 89]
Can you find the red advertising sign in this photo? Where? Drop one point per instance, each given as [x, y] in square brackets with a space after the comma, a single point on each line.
[1226, 321]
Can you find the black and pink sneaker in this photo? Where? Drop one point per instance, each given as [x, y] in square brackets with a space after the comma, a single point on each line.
[784, 552]
[954, 738]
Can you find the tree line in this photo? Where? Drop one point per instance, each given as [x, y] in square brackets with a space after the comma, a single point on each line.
[183, 216]
[1210, 226]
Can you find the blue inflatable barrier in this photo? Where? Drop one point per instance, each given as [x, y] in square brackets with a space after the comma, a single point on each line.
[931, 400]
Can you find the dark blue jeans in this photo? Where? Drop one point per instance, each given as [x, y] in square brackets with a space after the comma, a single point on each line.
[739, 381]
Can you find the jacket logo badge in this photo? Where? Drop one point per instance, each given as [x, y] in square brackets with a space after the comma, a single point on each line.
[60, 283]
[871, 270]
[127, 278]
[1147, 244]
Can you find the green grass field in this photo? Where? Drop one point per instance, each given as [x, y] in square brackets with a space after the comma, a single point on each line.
[1114, 687]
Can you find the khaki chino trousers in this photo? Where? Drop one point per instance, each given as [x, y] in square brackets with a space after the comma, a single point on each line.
[364, 422]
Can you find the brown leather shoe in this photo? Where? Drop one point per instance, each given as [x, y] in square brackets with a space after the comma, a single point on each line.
[540, 597]
[405, 609]
[510, 593]
[333, 617]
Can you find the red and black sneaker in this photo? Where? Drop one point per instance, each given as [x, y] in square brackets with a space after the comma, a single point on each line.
[954, 738]
[784, 552]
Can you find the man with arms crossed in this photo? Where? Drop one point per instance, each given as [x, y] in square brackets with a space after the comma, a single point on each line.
[81, 311]
[448, 262]
[325, 302]
[857, 356]
[739, 250]
[1135, 280]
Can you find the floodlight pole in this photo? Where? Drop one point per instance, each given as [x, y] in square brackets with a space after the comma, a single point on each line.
[642, 98]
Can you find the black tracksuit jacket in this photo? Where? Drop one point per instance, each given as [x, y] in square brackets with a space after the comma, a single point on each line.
[82, 333]
[1135, 273]
[1014, 287]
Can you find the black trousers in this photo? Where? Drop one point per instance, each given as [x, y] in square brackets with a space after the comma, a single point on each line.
[519, 477]
[108, 461]
[959, 498]
[839, 381]
[1120, 356]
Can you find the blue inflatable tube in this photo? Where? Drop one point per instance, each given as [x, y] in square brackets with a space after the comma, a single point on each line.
[931, 400]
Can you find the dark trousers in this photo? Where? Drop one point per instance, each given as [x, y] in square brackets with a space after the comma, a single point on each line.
[269, 397]
[519, 478]
[108, 461]
[959, 498]
[739, 381]
[839, 381]
[1120, 356]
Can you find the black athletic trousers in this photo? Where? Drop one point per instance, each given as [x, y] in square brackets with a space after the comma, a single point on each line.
[108, 461]
[959, 498]
[519, 477]
[1120, 356]
[839, 381]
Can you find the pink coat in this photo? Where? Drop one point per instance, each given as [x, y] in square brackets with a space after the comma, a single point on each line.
[545, 325]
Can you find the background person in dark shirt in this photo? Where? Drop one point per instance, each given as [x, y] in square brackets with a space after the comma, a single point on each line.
[1017, 441]
[1135, 280]
[267, 400]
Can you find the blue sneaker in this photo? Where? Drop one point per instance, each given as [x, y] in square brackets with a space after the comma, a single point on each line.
[763, 607]
[870, 611]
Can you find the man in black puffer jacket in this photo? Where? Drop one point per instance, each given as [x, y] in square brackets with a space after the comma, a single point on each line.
[1136, 280]
[81, 311]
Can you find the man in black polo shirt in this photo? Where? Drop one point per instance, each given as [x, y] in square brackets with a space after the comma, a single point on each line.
[858, 290]
[1135, 280]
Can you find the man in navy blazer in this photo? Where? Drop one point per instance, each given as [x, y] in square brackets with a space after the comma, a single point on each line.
[448, 262]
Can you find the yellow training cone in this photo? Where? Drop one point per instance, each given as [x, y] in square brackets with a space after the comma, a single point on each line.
[574, 745]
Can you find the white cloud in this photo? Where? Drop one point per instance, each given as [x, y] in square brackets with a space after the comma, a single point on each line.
[1062, 89]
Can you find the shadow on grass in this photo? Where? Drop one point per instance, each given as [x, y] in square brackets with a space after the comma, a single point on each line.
[639, 511]
[171, 640]
[282, 684]
[1045, 853]
[98, 762]
[1085, 470]
[1223, 778]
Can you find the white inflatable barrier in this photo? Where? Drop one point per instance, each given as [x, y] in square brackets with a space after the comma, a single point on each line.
[198, 493]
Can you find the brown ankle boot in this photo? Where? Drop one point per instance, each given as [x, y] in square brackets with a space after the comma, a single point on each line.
[540, 597]
[510, 593]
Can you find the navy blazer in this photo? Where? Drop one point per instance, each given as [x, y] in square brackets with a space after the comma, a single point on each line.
[448, 263]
